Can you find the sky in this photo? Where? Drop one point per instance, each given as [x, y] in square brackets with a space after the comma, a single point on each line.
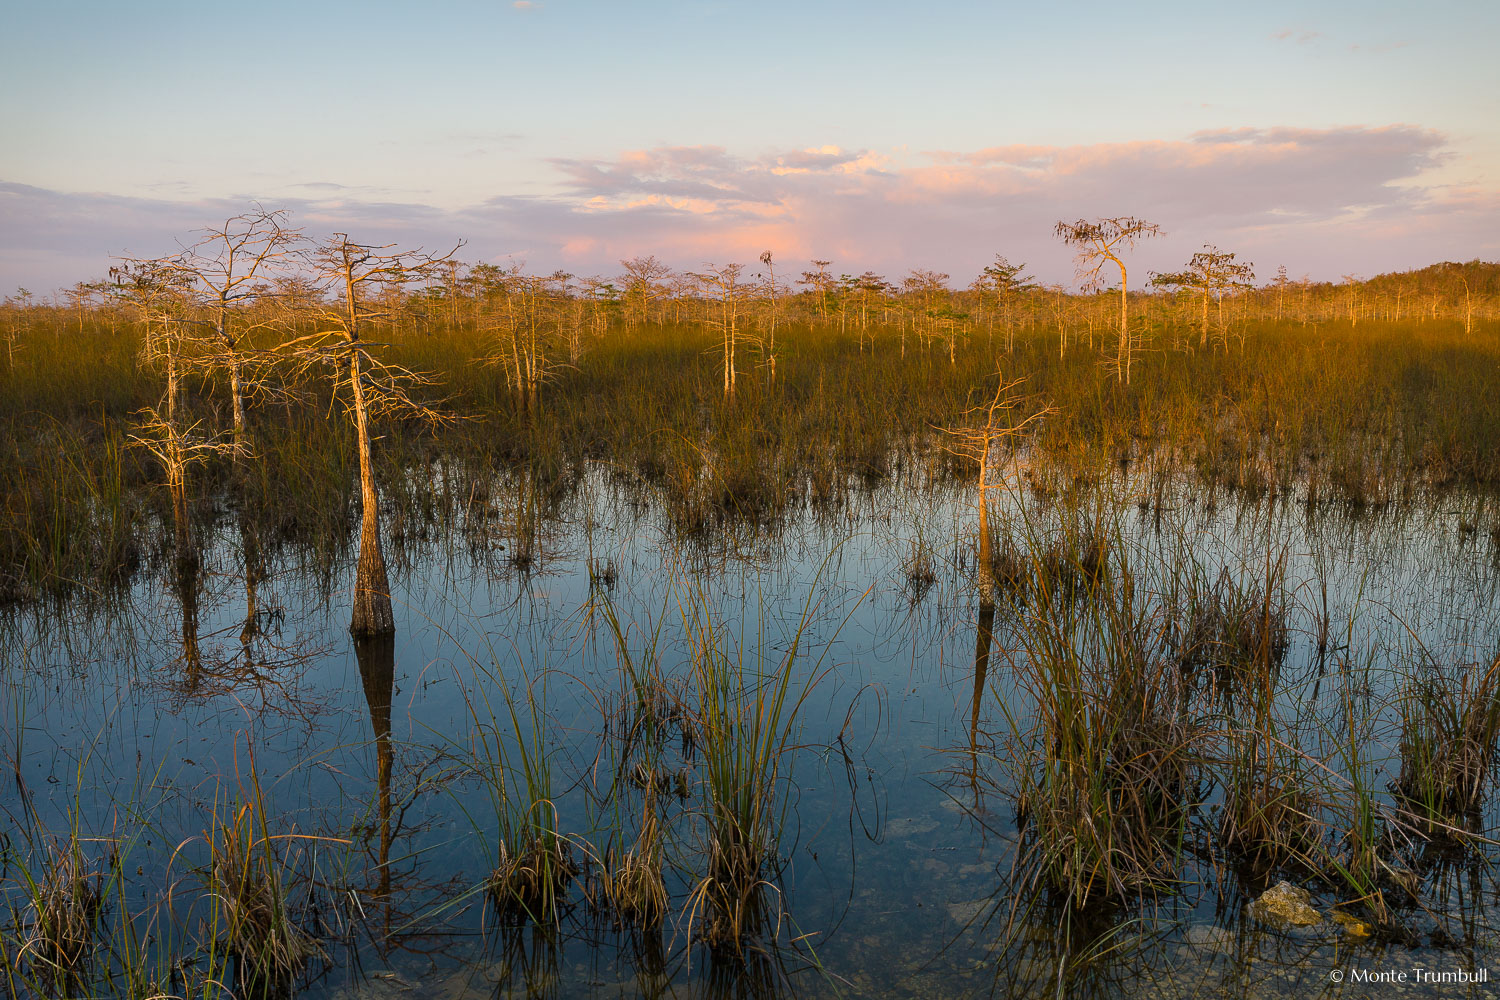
[1331, 138]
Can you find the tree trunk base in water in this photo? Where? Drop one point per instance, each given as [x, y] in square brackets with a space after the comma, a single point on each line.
[372, 611]
[372, 592]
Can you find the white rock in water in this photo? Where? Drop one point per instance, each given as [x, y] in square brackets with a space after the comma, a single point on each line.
[1284, 905]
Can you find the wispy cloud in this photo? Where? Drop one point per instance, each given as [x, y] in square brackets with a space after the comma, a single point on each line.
[1322, 201]
[1299, 35]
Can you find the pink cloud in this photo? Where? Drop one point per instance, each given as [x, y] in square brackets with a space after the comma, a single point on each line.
[1324, 202]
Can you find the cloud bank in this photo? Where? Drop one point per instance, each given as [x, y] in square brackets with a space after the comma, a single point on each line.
[1323, 202]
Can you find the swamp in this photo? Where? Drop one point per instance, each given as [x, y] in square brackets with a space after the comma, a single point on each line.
[382, 625]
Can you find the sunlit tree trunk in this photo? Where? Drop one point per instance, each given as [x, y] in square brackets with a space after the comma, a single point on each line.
[1203, 337]
[372, 590]
[1096, 242]
[1124, 350]
[233, 362]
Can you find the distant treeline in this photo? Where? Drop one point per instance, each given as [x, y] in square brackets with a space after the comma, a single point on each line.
[647, 291]
[303, 379]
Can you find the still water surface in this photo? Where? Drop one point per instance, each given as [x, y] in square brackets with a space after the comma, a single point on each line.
[140, 719]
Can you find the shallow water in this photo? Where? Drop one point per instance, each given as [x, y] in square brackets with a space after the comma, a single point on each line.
[141, 718]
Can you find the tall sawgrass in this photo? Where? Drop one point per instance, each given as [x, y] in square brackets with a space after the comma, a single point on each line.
[745, 728]
[249, 879]
[1355, 416]
[1104, 754]
[1450, 720]
[508, 751]
[55, 938]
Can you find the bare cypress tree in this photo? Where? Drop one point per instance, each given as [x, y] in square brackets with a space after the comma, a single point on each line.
[1099, 242]
[230, 265]
[1457, 270]
[821, 282]
[1210, 273]
[534, 319]
[13, 311]
[375, 388]
[159, 292]
[723, 283]
[869, 286]
[178, 448]
[154, 289]
[978, 444]
[642, 282]
[1005, 281]
[924, 292]
[770, 347]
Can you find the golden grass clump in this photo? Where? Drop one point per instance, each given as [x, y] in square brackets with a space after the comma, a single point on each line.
[633, 887]
[63, 914]
[1450, 721]
[247, 877]
[530, 881]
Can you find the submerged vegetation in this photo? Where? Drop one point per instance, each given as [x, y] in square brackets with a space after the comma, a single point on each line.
[646, 754]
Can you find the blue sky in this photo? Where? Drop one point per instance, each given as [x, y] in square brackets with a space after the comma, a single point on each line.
[1334, 138]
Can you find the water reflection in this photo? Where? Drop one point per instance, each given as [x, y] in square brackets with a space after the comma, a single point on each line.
[186, 582]
[927, 906]
[983, 640]
[377, 672]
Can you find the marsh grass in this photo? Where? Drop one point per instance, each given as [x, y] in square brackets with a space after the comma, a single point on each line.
[919, 570]
[1106, 767]
[1362, 416]
[746, 720]
[78, 934]
[1152, 733]
[1450, 719]
[632, 886]
[1238, 634]
[248, 879]
[57, 933]
[1359, 857]
[534, 863]
[743, 722]
[1271, 802]
[533, 870]
[1110, 751]
[1072, 564]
